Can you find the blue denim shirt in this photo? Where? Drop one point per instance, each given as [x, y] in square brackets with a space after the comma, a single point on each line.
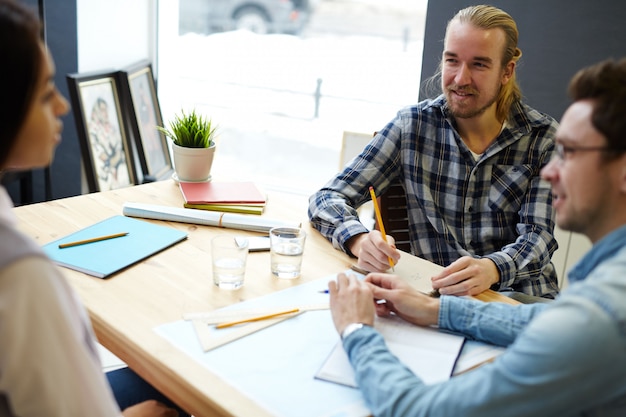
[566, 358]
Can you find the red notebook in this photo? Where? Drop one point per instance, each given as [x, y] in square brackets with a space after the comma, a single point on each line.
[221, 193]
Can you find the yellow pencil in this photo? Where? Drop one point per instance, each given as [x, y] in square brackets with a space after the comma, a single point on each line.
[380, 221]
[265, 317]
[94, 239]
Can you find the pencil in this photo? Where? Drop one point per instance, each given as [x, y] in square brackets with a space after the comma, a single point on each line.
[379, 219]
[94, 239]
[258, 318]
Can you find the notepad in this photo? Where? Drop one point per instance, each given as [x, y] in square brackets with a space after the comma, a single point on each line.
[221, 192]
[104, 258]
[427, 352]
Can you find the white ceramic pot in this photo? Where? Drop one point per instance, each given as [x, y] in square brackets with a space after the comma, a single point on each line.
[193, 164]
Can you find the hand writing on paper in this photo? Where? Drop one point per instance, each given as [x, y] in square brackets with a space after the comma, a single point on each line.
[373, 252]
[466, 276]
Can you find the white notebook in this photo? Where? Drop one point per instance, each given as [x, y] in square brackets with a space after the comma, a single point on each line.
[427, 352]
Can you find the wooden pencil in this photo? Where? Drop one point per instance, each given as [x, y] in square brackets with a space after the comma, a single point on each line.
[257, 318]
[93, 239]
[380, 221]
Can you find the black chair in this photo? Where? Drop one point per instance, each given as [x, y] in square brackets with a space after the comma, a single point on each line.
[393, 210]
[21, 186]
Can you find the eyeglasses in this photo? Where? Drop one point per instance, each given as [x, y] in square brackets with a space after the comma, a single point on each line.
[562, 151]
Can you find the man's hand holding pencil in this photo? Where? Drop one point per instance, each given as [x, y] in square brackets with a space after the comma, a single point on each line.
[376, 251]
[373, 252]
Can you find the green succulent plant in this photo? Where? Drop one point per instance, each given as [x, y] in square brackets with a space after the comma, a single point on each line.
[190, 130]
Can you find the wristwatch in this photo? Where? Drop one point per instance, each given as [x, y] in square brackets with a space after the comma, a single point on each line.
[351, 328]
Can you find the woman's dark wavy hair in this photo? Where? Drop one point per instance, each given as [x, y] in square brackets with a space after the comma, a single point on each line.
[605, 84]
[21, 62]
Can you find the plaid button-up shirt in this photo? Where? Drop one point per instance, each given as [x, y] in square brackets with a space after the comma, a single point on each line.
[496, 207]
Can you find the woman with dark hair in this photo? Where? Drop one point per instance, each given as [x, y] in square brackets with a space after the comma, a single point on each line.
[49, 364]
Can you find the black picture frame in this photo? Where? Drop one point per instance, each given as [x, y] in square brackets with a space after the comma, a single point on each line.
[143, 112]
[105, 148]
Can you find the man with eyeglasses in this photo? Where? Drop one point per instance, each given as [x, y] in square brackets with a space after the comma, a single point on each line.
[469, 163]
[565, 358]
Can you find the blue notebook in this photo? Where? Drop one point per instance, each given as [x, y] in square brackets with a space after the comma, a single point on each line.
[105, 257]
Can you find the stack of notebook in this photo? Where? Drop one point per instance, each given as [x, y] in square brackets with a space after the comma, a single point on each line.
[233, 197]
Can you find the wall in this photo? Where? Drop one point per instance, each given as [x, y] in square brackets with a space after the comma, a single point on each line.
[114, 33]
[556, 38]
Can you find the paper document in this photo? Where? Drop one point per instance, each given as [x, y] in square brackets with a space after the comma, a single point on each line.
[416, 271]
[427, 352]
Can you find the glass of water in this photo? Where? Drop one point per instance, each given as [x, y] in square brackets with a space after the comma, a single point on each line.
[228, 259]
[286, 247]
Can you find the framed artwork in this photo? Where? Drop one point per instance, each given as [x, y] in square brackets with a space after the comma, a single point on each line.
[105, 148]
[144, 114]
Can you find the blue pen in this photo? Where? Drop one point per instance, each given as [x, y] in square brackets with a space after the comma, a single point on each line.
[377, 301]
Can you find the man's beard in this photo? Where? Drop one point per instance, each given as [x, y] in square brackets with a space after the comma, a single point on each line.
[467, 113]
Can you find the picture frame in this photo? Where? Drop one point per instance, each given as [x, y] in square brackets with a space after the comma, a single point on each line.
[143, 113]
[105, 148]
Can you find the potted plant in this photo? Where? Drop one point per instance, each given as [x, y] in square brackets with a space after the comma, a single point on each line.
[193, 145]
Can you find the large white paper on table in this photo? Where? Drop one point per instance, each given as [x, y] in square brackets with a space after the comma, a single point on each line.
[276, 367]
[204, 217]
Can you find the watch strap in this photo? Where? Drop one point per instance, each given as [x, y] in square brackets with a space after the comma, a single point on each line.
[351, 328]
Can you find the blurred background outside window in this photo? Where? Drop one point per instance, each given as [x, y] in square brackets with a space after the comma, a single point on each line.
[284, 78]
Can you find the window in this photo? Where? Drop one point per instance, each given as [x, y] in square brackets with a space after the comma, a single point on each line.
[284, 79]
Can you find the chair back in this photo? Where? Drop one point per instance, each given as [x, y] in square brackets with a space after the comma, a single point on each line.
[393, 210]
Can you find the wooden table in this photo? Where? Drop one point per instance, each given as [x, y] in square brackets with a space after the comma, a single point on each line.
[125, 308]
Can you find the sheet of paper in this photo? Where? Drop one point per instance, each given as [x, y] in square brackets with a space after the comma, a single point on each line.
[416, 271]
[211, 338]
[276, 367]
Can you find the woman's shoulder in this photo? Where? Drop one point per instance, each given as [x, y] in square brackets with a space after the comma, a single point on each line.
[15, 245]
